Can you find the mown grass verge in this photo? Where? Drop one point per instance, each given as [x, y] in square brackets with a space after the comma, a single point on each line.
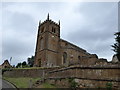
[46, 85]
[22, 82]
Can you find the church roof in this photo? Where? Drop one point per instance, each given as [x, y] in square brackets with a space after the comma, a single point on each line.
[73, 45]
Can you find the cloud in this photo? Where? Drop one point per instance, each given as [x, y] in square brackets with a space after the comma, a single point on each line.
[97, 33]
[18, 36]
[88, 25]
[0, 32]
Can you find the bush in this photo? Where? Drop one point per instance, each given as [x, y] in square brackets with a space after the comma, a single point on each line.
[109, 85]
[72, 82]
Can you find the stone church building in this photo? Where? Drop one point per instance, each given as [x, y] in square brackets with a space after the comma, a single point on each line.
[52, 51]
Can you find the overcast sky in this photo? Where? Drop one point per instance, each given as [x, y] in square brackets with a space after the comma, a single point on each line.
[89, 25]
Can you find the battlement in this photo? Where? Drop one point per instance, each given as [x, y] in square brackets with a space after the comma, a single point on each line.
[50, 21]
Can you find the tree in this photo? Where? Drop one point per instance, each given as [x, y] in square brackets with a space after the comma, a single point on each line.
[31, 61]
[116, 45]
[18, 65]
[24, 63]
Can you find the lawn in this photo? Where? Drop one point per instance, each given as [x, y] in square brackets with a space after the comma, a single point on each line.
[22, 82]
[46, 85]
[26, 82]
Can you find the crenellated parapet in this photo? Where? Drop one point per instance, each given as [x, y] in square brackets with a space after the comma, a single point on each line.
[50, 21]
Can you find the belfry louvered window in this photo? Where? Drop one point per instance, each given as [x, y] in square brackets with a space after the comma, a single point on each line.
[53, 30]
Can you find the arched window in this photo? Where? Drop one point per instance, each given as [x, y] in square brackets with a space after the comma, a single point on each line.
[64, 57]
[79, 58]
[53, 29]
[5, 66]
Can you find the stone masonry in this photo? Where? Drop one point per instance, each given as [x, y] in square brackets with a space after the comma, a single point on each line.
[53, 51]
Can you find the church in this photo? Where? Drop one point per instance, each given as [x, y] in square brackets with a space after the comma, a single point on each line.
[52, 51]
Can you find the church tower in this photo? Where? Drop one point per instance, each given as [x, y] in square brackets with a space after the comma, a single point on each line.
[46, 53]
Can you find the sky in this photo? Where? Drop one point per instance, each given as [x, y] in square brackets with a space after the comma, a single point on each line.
[89, 25]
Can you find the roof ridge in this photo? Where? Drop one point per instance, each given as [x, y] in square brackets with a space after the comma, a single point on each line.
[73, 45]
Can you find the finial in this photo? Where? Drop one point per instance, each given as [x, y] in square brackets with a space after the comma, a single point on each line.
[59, 23]
[48, 17]
[39, 22]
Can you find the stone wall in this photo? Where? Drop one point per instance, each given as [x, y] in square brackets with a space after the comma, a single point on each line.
[87, 76]
[27, 72]
[83, 83]
[87, 72]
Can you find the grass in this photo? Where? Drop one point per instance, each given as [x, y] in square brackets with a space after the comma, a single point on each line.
[46, 85]
[22, 82]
